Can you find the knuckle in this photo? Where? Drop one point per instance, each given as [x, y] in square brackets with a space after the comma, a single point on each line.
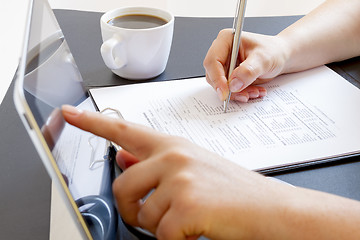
[210, 57]
[120, 125]
[224, 32]
[208, 80]
[176, 156]
[266, 58]
[118, 190]
[184, 179]
[206, 62]
[249, 71]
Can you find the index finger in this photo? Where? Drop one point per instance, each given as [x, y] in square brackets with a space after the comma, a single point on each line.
[139, 140]
[216, 61]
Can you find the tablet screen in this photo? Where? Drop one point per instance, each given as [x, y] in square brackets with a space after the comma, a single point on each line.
[78, 159]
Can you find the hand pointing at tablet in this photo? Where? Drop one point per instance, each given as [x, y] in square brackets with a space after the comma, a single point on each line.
[197, 192]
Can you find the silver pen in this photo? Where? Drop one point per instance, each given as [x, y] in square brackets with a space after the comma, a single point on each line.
[237, 29]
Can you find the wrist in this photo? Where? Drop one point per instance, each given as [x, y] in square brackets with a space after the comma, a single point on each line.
[287, 54]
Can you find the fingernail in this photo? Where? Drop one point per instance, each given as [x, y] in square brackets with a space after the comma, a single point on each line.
[219, 93]
[241, 98]
[70, 110]
[262, 93]
[254, 94]
[236, 85]
[120, 161]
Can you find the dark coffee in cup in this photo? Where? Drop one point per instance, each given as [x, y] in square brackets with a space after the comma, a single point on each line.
[137, 21]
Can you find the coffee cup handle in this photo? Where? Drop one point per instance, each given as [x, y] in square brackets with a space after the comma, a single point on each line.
[107, 49]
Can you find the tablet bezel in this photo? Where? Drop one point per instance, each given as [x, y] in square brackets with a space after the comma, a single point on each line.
[32, 128]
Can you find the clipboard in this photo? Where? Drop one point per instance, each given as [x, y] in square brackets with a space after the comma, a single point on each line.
[192, 38]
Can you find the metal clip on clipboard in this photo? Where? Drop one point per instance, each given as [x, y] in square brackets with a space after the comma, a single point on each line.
[99, 210]
[109, 144]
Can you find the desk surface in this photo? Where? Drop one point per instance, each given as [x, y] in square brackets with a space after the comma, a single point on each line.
[12, 19]
[13, 14]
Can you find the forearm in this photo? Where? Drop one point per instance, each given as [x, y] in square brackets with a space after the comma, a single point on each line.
[329, 33]
[266, 209]
[308, 214]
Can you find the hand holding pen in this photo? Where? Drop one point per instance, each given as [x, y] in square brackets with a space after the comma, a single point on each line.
[261, 58]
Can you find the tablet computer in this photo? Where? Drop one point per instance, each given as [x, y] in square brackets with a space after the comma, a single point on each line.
[80, 164]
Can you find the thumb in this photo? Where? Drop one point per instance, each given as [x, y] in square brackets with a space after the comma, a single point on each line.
[246, 73]
[125, 159]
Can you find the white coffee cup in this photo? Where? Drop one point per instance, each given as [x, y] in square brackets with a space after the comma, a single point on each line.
[136, 53]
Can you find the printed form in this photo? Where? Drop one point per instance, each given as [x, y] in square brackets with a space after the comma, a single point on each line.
[306, 116]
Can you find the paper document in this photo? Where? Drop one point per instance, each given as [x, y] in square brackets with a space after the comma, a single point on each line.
[306, 116]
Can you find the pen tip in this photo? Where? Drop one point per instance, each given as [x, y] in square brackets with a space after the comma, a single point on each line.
[226, 102]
